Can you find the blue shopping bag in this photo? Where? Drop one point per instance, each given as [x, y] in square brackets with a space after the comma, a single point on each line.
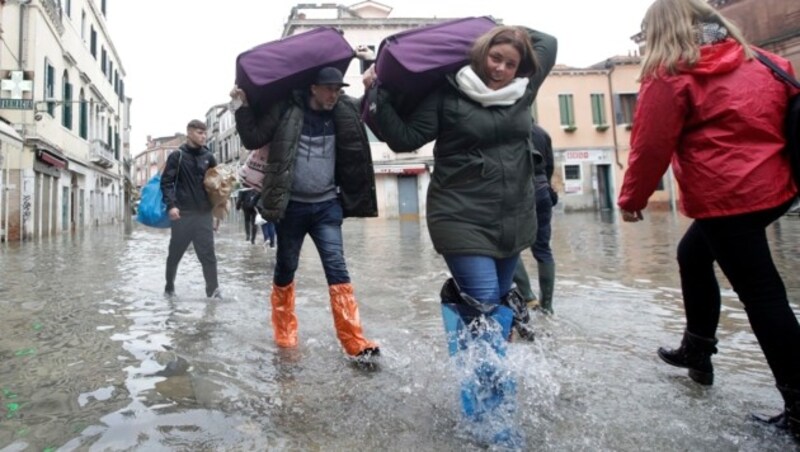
[152, 210]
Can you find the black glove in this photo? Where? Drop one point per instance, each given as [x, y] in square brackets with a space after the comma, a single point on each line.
[553, 196]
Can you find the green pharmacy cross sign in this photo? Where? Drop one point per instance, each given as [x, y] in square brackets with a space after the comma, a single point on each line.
[17, 85]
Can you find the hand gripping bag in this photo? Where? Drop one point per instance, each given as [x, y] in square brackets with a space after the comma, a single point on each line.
[270, 71]
[410, 64]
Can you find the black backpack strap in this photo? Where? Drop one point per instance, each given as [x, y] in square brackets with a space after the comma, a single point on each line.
[177, 172]
[777, 70]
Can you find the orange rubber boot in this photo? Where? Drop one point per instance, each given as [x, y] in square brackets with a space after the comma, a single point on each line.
[284, 320]
[347, 321]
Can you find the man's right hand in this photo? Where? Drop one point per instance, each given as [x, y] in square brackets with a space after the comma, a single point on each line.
[174, 214]
[238, 95]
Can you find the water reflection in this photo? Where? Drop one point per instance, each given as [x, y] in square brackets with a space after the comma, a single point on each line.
[93, 357]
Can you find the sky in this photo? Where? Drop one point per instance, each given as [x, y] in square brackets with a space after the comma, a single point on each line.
[179, 55]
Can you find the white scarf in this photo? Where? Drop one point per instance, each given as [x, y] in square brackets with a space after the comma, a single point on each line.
[472, 85]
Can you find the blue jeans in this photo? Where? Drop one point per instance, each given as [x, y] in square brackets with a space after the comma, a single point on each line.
[268, 229]
[482, 277]
[323, 222]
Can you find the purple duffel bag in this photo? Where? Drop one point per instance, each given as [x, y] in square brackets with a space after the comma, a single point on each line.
[270, 71]
[412, 63]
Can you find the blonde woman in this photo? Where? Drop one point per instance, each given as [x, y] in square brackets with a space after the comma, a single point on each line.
[716, 114]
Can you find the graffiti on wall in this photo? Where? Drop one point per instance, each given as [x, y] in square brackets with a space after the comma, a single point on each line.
[26, 208]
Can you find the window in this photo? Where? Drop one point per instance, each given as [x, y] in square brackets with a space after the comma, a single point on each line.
[110, 71]
[572, 172]
[121, 89]
[66, 106]
[68, 7]
[116, 82]
[598, 110]
[83, 127]
[50, 87]
[103, 6]
[83, 26]
[93, 42]
[567, 109]
[103, 60]
[625, 107]
[116, 145]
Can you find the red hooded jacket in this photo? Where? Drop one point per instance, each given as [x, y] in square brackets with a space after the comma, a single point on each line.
[720, 123]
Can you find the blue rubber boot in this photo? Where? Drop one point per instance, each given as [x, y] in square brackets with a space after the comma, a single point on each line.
[477, 336]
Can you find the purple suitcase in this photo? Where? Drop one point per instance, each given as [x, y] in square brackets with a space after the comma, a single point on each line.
[272, 70]
[412, 63]
[417, 60]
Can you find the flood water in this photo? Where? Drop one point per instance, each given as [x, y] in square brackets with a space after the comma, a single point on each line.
[93, 357]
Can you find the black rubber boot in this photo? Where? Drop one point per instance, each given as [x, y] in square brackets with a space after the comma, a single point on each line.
[547, 282]
[693, 354]
[514, 300]
[791, 412]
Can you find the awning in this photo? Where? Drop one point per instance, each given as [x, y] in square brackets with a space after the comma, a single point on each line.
[51, 159]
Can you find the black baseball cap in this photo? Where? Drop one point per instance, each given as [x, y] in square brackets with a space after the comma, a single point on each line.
[330, 76]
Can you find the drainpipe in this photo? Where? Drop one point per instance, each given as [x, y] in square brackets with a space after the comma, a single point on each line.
[610, 66]
[20, 55]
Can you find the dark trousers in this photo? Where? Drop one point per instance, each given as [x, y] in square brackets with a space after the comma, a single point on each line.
[544, 215]
[323, 222]
[739, 245]
[250, 224]
[197, 229]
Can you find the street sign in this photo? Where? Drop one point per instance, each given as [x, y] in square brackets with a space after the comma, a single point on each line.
[16, 104]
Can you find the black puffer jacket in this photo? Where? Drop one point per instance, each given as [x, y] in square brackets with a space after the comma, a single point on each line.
[481, 199]
[281, 126]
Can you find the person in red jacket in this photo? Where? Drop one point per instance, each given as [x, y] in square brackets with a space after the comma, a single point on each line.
[713, 111]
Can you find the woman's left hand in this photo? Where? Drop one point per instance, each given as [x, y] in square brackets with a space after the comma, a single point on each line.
[369, 76]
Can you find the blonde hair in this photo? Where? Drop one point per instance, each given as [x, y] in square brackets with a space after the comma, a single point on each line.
[669, 28]
[503, 34]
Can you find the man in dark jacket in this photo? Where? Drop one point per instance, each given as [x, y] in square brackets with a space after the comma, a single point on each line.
[190, 208]
[319, 171]
[246, 202]
[546, 198]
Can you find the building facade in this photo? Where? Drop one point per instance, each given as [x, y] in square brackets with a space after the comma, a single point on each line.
[589, 115]
[152, 160]
[770, 24]
[223, 140]
[63, 92]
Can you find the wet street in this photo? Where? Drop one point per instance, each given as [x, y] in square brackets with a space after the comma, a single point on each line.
[93, 357]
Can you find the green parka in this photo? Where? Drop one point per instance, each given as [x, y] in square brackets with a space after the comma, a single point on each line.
[481, 199]
[281, 126]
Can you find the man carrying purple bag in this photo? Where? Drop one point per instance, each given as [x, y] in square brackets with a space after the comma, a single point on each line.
[319, 171]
